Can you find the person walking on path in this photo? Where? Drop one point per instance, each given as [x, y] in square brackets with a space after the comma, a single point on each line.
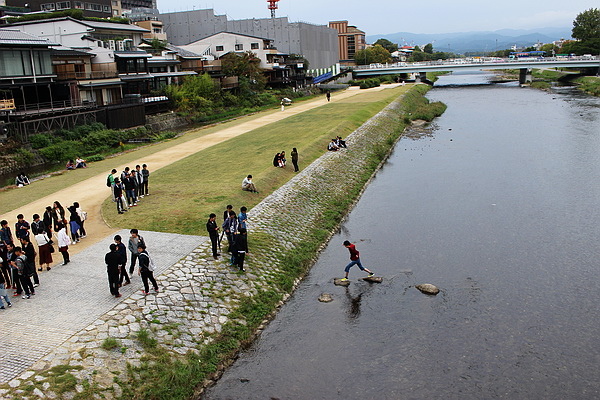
[82, 217]
[29, 252]
[146, 269]
[354, 260]
[74, 224]
[63, 243]
[213, 233]
[294, 154]
[113, 260]
[240, 248]
[24, 273]
[123, 261]
[328, 96]
[4, 292]
[248, 185]
[134, 241]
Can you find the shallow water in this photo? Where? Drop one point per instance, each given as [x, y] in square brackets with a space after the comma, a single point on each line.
[498, 207]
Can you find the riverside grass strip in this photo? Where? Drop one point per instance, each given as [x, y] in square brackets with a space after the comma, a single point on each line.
[171, 346]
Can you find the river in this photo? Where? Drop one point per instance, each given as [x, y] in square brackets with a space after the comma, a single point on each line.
[498, 206]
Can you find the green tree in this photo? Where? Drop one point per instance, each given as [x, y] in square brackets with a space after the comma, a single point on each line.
[428, 48]
[386, 44]
[587, 25]
[373, 54]
[245, 65]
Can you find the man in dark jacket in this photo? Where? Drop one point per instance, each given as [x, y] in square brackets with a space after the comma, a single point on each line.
[129, 183]
[240, 248]
[49, 221]
[118, 194]
[122, 250]
[113, 260]
[213, 232]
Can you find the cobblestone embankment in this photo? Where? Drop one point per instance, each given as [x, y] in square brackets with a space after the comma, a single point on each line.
[200, 294]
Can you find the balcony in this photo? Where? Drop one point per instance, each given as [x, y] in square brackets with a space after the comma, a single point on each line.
[63, 76]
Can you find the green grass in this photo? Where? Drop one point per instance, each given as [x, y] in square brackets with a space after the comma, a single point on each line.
[110, 343]
[186, 192]
[589, 84]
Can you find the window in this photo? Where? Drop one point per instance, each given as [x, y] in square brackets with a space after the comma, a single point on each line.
[48, 7]
[115, 3]
[219, 48]
[63, 5]
[78, 4]
[106, 9]
[93, 7]
[253, 46]
[239, 47]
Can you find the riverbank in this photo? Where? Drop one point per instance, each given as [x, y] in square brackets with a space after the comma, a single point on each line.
[166, 345]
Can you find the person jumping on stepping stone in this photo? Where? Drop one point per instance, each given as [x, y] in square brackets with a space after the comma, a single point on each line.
[354, 260]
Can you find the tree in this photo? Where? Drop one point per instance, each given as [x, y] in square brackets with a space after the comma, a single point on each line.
[428, 48]
[245, 65]
[587, 25]
[371, 55]
[386, 44]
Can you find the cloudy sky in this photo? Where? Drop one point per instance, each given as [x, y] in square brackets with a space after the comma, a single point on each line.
[390, 16]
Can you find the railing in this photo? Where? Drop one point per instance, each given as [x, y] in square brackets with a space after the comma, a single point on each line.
[53, 106]
[8, 104]
[87, 75]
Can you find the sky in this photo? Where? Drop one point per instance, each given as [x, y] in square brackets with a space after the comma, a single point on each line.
[391, 16]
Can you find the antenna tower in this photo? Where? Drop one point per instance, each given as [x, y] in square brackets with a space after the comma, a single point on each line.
[272, 7]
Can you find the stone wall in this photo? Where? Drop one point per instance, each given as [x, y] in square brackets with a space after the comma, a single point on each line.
[166, 121]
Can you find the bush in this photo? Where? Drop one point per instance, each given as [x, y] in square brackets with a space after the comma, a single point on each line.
[63, 151]
[40, 140]
[94, 158]
[24, 156]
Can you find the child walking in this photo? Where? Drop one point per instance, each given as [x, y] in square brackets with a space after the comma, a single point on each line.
[354, 260]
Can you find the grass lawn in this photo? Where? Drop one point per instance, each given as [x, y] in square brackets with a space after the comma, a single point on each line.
[184, 193]
[13, 198]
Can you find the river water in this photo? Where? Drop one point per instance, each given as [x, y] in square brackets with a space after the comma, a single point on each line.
[497, 206]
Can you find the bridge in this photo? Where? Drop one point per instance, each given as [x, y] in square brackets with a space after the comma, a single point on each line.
[524, 65]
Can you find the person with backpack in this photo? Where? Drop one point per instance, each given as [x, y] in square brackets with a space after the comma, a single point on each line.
[110, 180]
[134, 241]
[24, 273]
[82, 217]
[146, 269]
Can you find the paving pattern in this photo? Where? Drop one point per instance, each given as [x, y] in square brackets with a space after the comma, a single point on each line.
[73, 296]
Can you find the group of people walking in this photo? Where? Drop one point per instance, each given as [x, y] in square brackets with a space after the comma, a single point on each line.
[18, 254]
[235, 228]
[130, 187]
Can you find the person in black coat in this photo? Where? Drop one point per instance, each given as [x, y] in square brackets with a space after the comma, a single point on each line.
[240, 248]
[213, 232]
[113, 260]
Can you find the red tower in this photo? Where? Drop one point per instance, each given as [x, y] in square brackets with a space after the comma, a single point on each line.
[272, 7]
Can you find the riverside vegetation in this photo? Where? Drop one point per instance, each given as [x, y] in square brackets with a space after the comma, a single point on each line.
[282, 249]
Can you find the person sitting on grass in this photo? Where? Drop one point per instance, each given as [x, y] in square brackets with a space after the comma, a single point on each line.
[332, 146]
[80, 163]
[70, 165]
[22, 180]
[248, 185]
[282, 159]
[340, 143]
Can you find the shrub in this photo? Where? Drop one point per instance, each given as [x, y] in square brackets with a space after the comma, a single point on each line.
[95, 157]
[40, 140]
[24, 156]
[63, 151]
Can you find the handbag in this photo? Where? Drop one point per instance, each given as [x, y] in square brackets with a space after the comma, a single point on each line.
[51, 248]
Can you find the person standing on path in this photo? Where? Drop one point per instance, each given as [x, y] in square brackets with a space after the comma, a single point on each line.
[5, 233]
[10, 259]
[4, 292]
[146, 269]
[118, 196]
[110, 180]
[354, 260]
[24, 273]
[74, 223]
[63, 243]
[45, 249]
[123, 261]
[140, 180]
[134, 241]
[213, 233]
[240, 248]
[112, 260]
[328, 96]
[230, 227]
[48, 221]
[82, 217]
[21, 227]
[242, 218]
[294, 154]
[30, 254]
[59, 214]
[129, 183]
[226, 212]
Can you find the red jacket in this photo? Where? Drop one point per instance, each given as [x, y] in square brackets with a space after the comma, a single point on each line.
[354, 254]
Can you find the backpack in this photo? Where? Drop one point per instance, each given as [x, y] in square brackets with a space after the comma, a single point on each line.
[150, 262]
[108, 181]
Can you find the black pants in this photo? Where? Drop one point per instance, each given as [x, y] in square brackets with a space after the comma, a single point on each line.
[239, 259]
[134, 257]
[65, 254]
[27, 285]
[123, 274]
[113, 282]
[214, 240]
[148, 275]
[81, 229]
[296, 169]
[36, 278]
[229, 241]
[16, 280]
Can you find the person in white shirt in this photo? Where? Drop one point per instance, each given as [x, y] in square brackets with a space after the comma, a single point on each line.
[248, 185]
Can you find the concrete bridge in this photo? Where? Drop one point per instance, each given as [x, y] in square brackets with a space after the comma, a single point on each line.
[524, 65]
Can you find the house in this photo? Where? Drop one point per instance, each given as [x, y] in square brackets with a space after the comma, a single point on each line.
[350, 40]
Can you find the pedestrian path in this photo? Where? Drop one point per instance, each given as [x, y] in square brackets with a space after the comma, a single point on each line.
[71, 297]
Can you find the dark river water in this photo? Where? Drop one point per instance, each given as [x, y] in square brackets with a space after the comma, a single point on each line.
[498, 207]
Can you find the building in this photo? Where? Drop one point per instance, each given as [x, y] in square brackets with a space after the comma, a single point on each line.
[154, 28]
[128, 5]
[317, 43]
[350, 40]
[90, 8]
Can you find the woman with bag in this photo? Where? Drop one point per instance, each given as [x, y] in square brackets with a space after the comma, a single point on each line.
[74, 223]
[45, 250]
[63, 243]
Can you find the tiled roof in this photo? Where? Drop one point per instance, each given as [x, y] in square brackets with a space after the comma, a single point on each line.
[16, 37]
[182, 52]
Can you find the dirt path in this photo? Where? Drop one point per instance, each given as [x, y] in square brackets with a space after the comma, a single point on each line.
[91, 192]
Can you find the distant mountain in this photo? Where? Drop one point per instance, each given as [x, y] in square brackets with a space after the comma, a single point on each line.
[461, 42]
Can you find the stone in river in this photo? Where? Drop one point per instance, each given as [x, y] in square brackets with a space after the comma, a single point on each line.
[373, 279]
[325, 298]
[340, 282]
[428, 288]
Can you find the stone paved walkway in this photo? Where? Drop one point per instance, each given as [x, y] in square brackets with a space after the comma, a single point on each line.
[73, 296]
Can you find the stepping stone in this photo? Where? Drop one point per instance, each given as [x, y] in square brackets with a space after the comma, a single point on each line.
[340, 282]
[325, 298]
[428, 288]
[373, 279]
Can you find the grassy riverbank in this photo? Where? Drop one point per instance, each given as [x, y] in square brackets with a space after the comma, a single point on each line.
[589, 84]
